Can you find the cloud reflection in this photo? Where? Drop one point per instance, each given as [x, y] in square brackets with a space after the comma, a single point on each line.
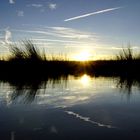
[54, 93]
[87, 119]
[63, 92]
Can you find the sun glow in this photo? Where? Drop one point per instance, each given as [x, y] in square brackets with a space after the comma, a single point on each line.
[82, 56]
[85, 80]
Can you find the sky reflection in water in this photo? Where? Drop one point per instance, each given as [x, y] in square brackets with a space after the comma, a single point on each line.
[67, 92]
[71, 107]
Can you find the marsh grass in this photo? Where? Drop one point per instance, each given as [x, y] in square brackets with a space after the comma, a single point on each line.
[28, 62]
[28, 51]
[125, 54]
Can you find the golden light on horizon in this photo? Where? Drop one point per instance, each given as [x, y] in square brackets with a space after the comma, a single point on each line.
[82, 56]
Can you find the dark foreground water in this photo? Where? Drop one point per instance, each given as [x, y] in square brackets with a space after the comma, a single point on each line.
[70, 108]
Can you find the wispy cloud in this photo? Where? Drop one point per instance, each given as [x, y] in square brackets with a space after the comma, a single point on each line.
[11, 1]
[35, 5]
[55, 40]
[63, 32]
[93, 13]
[71, 33]
[20, 13]
[52, 6]
[59, 36]
[35, 32]
[8, 36]
[39, 6]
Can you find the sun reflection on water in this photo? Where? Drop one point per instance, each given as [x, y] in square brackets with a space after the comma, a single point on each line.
[85, 79]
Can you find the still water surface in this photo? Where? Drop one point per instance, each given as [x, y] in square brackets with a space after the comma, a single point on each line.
[70, 108]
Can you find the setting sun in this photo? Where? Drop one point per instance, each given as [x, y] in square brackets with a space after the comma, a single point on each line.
[82, 56]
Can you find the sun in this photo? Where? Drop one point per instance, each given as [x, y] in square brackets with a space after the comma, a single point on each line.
[82, 56]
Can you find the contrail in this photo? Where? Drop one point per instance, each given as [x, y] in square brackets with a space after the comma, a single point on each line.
[93, 13]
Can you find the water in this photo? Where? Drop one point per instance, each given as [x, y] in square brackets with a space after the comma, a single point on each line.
[70, 108]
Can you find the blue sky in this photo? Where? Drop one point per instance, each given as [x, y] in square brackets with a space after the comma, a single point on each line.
[47, 23]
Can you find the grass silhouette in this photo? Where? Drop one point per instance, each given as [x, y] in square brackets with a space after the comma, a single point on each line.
[126, 54]
[27, 62]
[28, 52]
